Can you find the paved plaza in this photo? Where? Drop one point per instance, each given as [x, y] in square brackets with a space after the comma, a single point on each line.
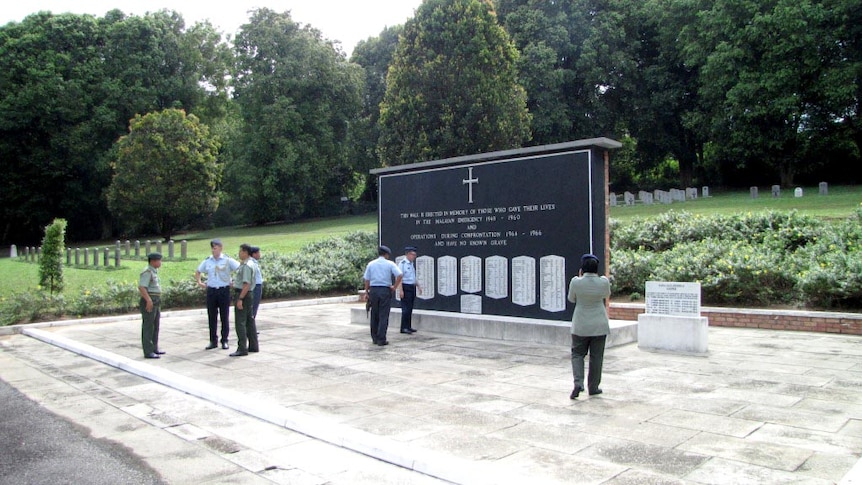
[321, 405]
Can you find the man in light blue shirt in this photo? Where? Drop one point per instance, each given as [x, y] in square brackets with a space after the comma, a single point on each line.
[408, 289]
[218, 269]
[258, 278]
[381, 277]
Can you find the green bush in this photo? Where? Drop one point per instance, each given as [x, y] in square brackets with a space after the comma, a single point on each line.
[750, 259]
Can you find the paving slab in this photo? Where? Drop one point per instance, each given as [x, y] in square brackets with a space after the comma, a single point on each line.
[321, 404]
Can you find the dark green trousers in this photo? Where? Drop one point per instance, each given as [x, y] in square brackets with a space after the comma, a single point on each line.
[596, 348]
[246, 329]
[150, 325]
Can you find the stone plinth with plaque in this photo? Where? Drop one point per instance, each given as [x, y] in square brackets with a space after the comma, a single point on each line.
[672, 321]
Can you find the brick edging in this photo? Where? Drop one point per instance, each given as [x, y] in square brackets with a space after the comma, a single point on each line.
[796, 320]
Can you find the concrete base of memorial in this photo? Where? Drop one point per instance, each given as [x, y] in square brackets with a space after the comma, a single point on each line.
[668, 333]
[498, 327]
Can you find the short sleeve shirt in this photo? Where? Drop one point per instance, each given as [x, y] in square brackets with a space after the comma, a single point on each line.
[245, 274]
[258, 276]
[149, 279]
[218, 270]
[409, 270]
[381, 272]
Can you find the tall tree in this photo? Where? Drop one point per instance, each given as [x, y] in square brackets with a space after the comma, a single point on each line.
[774, 76]
[165, 173]
[452, 89]
[68, 86]
[375, 56]
[561, 98]
[298, 98]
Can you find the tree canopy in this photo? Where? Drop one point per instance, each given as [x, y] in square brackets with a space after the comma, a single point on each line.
[298, 98]
[452, 88]
[165, 173]
[68, 86]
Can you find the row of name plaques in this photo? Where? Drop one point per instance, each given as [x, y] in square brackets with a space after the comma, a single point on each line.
[524, 274]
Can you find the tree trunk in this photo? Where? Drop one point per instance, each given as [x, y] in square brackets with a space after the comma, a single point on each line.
[686, 167]
[786, 173]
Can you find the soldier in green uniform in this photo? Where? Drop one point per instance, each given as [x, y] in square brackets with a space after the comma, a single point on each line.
[243, 285]
[151, 290]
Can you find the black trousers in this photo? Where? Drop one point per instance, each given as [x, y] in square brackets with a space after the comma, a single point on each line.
[407, 302]
[218, 305]
[380, 298]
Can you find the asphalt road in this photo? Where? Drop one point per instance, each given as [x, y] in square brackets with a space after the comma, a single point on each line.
[38, 447]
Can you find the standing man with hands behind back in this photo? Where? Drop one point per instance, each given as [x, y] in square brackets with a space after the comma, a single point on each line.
[150, 304]
[218, 269]
[408, 288]
[379, 286]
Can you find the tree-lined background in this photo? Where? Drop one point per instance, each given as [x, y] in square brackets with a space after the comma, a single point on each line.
[274, 123]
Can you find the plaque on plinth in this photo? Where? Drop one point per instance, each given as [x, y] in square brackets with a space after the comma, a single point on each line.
[673, 298]
[425, 277]
[471, 274]
[672, 321]
[553, 280]
[471, 304]
[496, 277]
[447, 276]
[524, 280]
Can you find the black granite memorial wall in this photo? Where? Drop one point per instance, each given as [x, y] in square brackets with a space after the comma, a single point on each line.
[499, 233]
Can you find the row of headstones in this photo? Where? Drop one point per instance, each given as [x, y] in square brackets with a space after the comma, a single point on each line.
[33, 254]
[823, 189]
[662, 196]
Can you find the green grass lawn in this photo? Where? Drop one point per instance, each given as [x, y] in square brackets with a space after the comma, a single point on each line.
[840, 203]
[288, 238]
[282, 238]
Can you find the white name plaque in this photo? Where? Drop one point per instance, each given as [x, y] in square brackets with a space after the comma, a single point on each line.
[670, 298]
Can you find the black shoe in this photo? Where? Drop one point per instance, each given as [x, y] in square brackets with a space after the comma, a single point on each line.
[577, 390]
[382, 343]
[160, 352]
[254, 350]
[238, 354]
[595, 391]
[411, 330]
[151, 356]
[406, 331]
[211, 346]
[224, 345]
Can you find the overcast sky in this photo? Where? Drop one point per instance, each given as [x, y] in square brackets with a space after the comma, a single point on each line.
[342, 20]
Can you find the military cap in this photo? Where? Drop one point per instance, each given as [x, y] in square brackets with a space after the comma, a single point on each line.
[153, 256]
[588, 256]
[216, 242]
[383, 250]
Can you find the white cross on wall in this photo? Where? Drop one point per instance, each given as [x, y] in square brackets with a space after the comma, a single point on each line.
[469, 181]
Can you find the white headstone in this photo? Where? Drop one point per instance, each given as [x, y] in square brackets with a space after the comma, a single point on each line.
[704, 191]
[776, 191]
[612, 198]
[753, 192]
[797, 192]
[629, 198]
[13, 251]
[691, 193]
[824, 188]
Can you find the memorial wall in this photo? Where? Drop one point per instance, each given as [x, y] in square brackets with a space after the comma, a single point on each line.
[499, 233]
